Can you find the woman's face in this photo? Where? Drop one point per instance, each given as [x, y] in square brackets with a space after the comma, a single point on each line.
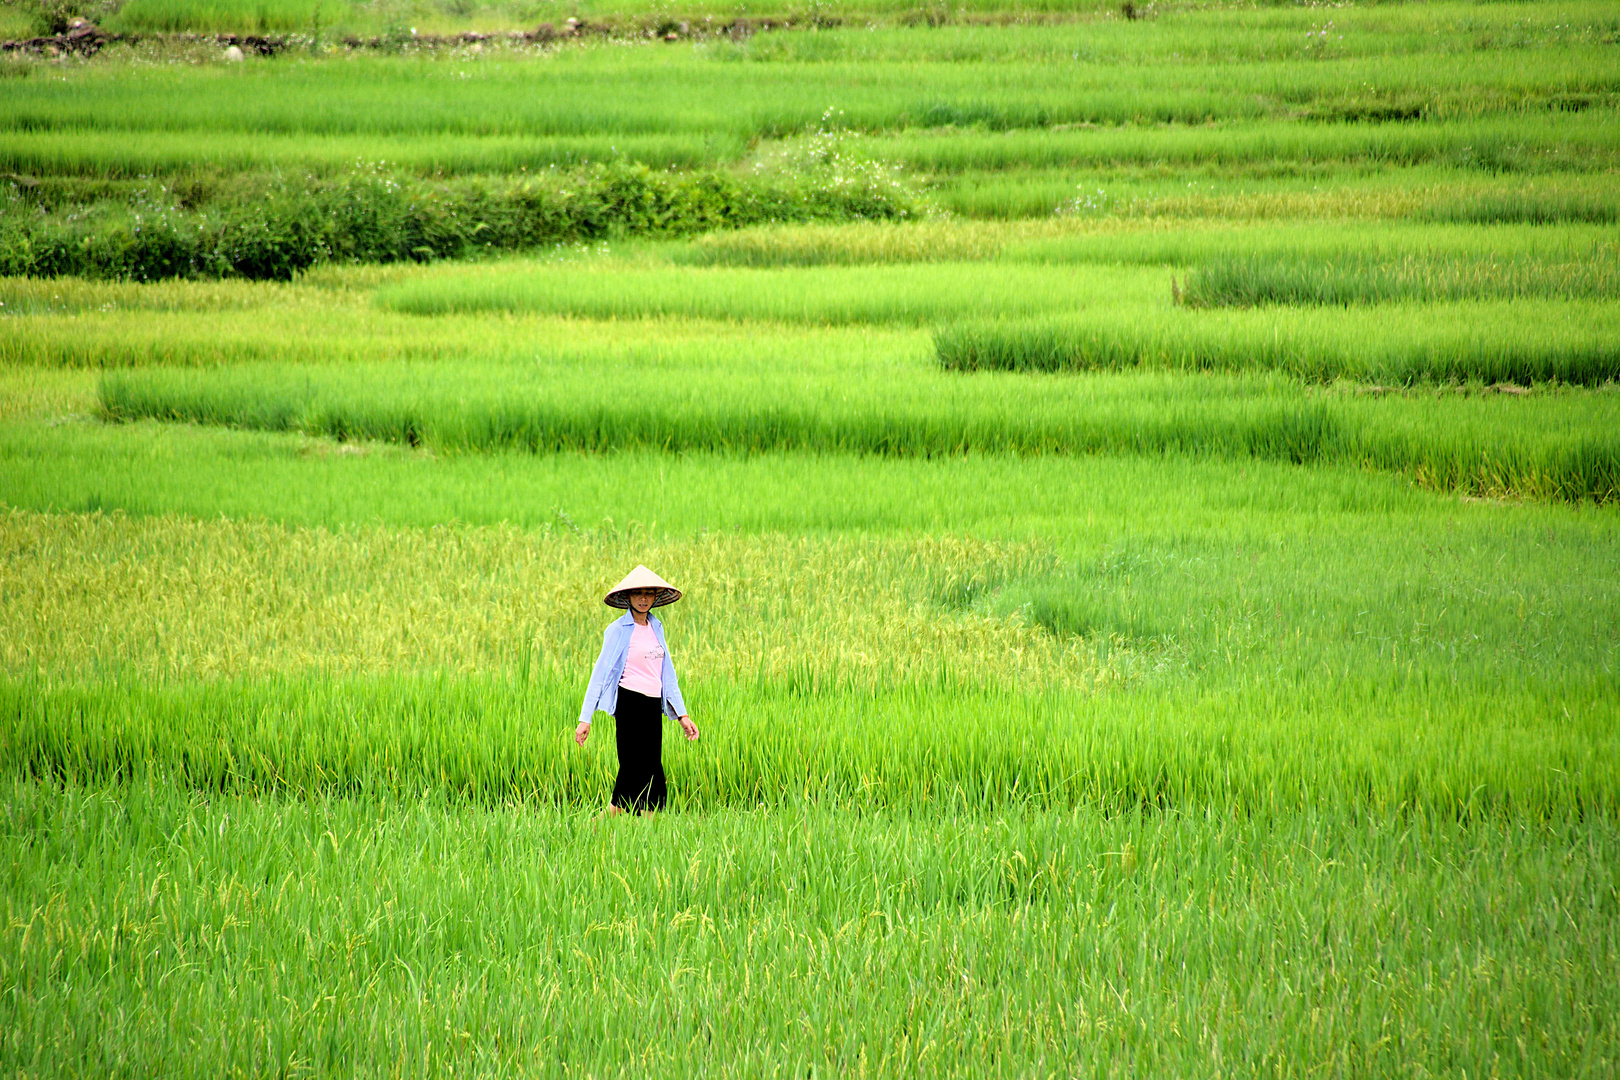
[641, 601]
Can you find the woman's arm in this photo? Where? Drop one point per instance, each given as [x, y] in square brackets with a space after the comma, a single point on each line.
[672, 685]
[593, 692]
[672, 692]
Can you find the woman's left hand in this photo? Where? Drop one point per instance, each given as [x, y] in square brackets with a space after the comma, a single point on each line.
[690, 728]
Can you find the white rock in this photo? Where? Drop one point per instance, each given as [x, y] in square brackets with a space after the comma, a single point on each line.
[233, 54]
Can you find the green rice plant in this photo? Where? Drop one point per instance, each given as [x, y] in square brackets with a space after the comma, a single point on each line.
[1189, 245]
[1510, 143]
[1103, 196]
[1453, 446]
[111, 154]
[816, 295]
[1512, 341]
[1315, 646]
[1535, 207]
[1210, 34]
[72, 467]
[384, 601]
[774, 743]
[1249, 281]
[249, 657]
[292, 333]
[1055, 243]
[325, 318]
[451, 407]
[621, 91]
[905, 571]
[1279, 191]
[433, 938]
[32, 393]
[1339, 671]
[223, 16]
[842, 245]
[22, 297]
[1202, 33]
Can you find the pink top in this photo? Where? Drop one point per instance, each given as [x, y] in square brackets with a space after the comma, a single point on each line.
[644, 663]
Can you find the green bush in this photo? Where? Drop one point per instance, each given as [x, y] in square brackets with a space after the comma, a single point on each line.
[264, 227]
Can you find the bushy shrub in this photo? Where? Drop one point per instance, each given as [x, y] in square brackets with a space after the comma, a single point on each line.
[267, 227]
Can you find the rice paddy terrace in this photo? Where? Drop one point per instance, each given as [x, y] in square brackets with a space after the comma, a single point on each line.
[1143, 477]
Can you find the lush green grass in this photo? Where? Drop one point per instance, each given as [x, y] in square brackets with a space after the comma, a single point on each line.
[1159, 720]
[262, 935]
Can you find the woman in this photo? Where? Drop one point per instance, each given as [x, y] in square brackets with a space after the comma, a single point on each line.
[634, 680]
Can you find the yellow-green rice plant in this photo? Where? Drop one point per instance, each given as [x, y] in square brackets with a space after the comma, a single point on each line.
[178, 599]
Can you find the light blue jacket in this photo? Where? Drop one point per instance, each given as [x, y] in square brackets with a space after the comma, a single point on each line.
[603, 693]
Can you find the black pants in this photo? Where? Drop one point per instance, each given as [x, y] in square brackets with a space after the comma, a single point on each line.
[639, 728]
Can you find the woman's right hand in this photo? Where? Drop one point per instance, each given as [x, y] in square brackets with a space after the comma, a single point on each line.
[582, 733]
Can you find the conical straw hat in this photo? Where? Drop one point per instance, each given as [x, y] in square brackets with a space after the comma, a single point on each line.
[641, 578]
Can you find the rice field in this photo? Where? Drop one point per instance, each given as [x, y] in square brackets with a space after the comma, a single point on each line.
[459, 937]
[1154, 611]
